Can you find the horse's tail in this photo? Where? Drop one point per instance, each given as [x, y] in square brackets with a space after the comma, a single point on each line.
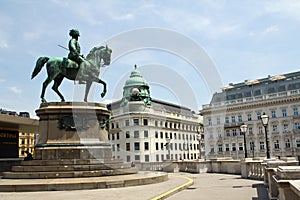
[39, 65]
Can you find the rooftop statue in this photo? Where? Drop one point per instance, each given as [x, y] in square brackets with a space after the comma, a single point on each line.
[75, 67]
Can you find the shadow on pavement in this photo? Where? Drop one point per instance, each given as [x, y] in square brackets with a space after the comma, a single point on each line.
[262, 192]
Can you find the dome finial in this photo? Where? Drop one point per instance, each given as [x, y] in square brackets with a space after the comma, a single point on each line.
[135, 66]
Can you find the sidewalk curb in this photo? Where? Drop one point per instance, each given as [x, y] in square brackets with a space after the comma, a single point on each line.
[175, 190]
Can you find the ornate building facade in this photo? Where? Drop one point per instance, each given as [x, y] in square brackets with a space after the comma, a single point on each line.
[245, 103]
[148, 130]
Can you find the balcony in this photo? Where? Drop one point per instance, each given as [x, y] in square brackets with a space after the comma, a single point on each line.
[233, 125]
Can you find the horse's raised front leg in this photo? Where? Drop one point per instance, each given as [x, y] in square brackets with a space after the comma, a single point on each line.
[104, 87]
[87, 90]
[57, 82]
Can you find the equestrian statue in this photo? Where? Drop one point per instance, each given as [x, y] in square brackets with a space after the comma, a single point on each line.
[75, 67]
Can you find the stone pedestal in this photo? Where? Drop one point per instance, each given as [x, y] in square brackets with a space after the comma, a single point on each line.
[73, 130]
[73, 143]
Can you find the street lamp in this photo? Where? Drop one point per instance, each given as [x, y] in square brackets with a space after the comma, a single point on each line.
[168, 146]
[265, 121]
[244, 129]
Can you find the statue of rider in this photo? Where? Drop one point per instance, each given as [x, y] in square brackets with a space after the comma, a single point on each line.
[74, 54]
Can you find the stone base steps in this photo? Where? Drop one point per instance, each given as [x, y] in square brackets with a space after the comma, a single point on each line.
[72, 168]
[58, 184]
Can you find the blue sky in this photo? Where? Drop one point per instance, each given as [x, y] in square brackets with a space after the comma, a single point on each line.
[211, 43]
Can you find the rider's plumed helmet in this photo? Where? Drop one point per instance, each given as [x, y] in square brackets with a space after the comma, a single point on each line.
[74, 33]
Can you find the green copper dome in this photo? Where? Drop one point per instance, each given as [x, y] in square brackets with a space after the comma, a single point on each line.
[135, 79]
[136, 89]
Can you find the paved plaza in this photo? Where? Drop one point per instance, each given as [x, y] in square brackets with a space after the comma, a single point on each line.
[206, 186]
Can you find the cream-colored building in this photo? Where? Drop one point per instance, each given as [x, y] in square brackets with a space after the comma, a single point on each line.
[148, 130]
[244, 103]
[17, 134]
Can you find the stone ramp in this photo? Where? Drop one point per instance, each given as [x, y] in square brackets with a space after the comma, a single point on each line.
[58, 184]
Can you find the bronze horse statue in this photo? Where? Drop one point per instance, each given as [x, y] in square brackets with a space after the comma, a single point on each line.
[59, 68]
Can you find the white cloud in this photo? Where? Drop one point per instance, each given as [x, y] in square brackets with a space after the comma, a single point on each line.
[270, 29]
[3, 44]
[15, 89]
[284, 8]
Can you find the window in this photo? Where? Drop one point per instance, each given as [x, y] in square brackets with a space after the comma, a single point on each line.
[240, 118]
[287, 143]
[118, 147]
[145, 134]
[226, 120]
[112, 126]
[128, 158]
[261, 145]
[135, 122]
[145, 122]
[137, 157]
[220, 147]
[218, 121]
[146, 158]
[127, 146]
[233, 147]
[233, 119]
[156, 146]
[156, 134]
[273, 113]
[156, 123]
[161, 146]
[250, 131]
[285, 128]
[249, 117]
[157, 158]
[258, 115]
[257, 92]
[298, 142]
[227, 133]
[209, 122]
[260, 130]
[275, 128]
[146, 146]
[161, 135]
[226, 147]
[295, 111]
[276, 144]
[283, 112]
[212, 149]
[127, 134]
[127, 122]
[251, 146]
[297, 126]
[118, 136]
[162, 157]
[136, 134]
[241, 148]
[136, 146]
[233, 132]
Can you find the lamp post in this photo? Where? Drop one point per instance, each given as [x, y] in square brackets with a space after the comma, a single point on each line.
[244, 129]
[265, 121]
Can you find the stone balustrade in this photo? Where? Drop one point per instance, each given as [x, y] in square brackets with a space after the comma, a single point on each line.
[281, 177]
